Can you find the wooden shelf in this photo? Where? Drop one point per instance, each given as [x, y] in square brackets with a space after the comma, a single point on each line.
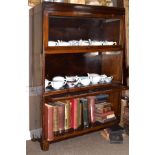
[69, 93]
[81, 49]
[83, 131]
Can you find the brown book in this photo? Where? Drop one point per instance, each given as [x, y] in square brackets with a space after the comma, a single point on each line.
[67, 115]
[61, 116]
[55, 119]
[48, 122]
[91, 108]
[104, 114]
[102, 105]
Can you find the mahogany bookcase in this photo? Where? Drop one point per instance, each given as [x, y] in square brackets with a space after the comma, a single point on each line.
[61, 21]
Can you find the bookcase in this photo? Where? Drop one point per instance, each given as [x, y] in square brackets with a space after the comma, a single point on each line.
[52, 22]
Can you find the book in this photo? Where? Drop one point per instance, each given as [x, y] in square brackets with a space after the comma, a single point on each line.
[101, 98]
[85, 113]
[61, 116]
[116, 138]
[74, 113]
[67, 115]
[48, 122]
[55, 119]
[79, 113]
[103, 113]
[102, 105]
[91, 108]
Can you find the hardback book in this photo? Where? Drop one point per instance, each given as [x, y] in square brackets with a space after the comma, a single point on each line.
[101, 98]
[55, 119]
[61, 116]
[79, 113]
[91, 108]
[104, 120]
[85, 113]
[48, 119]
[102, 105]
[74, 113]
[103, 110]
[116, 138]
[104, 115]
[67, 115]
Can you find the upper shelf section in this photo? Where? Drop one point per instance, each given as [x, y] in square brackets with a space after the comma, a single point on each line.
[73, 28]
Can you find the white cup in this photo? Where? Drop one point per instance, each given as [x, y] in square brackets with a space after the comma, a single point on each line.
[57, 84]
[84, 80]
[94, 78]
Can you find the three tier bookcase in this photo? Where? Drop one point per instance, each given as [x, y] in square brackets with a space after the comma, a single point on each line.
[61, 21]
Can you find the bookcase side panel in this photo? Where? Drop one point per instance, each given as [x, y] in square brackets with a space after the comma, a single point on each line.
[35, 68]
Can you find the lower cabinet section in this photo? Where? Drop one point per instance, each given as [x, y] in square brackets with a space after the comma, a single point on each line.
[77, 116]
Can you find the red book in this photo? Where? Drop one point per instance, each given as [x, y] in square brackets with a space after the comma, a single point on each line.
[91, 108]
[104, 114]
[74, 113]
[48, 119]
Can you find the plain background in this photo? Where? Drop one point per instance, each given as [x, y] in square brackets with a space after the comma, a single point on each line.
[14, 61]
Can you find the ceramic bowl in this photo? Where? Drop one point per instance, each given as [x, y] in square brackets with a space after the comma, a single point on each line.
[84, 80]
[94, 78]
[57, 84]
[108, 79]
[58, 78]
[103, 77]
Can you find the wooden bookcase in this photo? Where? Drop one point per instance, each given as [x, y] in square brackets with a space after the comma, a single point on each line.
[60, 21]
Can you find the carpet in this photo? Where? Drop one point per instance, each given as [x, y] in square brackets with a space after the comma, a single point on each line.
[90, 144]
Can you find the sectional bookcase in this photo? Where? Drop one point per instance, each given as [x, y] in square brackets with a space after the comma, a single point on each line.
[50, 22]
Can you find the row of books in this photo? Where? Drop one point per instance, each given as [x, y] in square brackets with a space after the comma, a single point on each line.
[61, 116]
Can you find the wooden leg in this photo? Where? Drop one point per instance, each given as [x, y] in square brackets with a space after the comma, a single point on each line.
[44, 145]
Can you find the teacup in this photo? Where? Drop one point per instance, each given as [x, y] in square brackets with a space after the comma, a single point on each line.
[103, 77]
[63, 43]
[52, 43]
[84, 80]
[108, 79]
[94, 78]
[47, 83]
[96, 43]
[58, 78]
[72, 81]
[57, 84]
[74, 43]
[84, 42]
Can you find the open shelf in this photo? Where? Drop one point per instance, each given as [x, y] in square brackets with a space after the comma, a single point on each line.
[79, 92]
[81, 49]
[74, 133]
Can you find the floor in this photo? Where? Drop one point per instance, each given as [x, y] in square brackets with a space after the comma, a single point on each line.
[90, 144]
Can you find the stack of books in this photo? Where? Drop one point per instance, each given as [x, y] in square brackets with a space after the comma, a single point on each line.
[113, 134]
[104, 112]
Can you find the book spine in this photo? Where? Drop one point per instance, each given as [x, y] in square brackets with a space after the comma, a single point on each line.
[91, 104]
[104, 114]
[55, 120]
[85, 112]
[61, 116]
[48, 126]
[74, 119]
[79, 113]
[67, 115]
